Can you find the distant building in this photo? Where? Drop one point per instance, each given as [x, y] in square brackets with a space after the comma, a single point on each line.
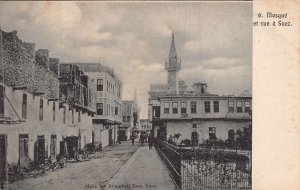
[145, 126]
[131, 114]
[107, 101]
[36, 121]
[191, 111]
[128, 121]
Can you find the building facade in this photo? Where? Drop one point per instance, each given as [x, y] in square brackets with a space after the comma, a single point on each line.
[107, 101]
[190, 112]
[36, 121]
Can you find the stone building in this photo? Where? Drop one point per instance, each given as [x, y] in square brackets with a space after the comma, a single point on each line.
[191, 111]
[107, 101]
[36, 122]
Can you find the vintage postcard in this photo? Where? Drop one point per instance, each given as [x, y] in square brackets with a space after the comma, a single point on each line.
[142, 95]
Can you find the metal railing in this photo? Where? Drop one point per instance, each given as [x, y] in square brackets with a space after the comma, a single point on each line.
[203, 168]
[172, 158]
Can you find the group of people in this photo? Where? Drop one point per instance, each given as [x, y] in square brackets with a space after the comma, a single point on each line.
[142, 139]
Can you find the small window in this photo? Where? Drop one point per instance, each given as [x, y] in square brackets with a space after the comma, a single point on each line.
[166, 107]
[212, 133]
[175, 107]
[99, 107]
[100, 85]
[128, 118]
[247, 107]
[41, 110]
[124, 118]
[231, 106]
[207, 106]
[2, 95]
[216, 106]
[156, 111]
[79, 116]
[239, 108]
[53, 109]
[24, 106]
[64, 118]
[194, 125]
[193, 107]
[183, 107]
[72, 116]
[116, 111]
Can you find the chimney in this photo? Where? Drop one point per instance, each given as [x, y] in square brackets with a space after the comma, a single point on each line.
[42, 58]
[54, 65]
[30, 49]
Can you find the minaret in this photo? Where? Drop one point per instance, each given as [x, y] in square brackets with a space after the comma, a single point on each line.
[173, 66]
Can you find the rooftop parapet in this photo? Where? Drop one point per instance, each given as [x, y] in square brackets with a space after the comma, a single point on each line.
[42, 58]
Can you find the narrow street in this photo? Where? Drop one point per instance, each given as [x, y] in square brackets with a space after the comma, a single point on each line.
[115, 165]
[145, 170]
[83, 175]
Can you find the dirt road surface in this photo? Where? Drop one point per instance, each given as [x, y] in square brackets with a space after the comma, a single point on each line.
[93, 174]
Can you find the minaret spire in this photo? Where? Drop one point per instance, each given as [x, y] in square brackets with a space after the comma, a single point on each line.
[172, 53]
[173, 66]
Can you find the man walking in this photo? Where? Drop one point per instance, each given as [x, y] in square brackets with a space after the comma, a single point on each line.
[132, 140]
[150, 143]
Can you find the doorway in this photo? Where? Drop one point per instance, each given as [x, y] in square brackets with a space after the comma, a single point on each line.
[23, 150]
[93, 137]
[3, 142]
[110, 136]
[39, 150]
[53, 148]
[194, 138]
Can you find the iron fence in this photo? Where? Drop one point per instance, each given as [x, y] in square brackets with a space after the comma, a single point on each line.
[207, 168]
[172, 158]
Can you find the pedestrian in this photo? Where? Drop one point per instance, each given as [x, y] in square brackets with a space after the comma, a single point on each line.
[119, 139]
[132, 140]
[150, 143]
[142, 139]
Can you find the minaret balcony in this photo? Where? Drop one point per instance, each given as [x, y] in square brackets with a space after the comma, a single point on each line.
[173, 66]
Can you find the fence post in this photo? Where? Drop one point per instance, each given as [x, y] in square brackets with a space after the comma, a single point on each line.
[181, 173]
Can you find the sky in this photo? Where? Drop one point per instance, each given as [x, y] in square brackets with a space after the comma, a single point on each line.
[213, 39]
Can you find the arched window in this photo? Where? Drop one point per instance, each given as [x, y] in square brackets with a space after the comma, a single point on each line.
[231, 134]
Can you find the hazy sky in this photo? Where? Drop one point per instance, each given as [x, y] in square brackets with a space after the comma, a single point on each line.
[213, 39]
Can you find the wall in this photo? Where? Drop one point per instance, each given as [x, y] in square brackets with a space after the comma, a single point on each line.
[97, 127]
[104, 138]
[47, 127]
[185, 128]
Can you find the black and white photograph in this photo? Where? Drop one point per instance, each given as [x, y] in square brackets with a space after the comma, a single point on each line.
[126, 95]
